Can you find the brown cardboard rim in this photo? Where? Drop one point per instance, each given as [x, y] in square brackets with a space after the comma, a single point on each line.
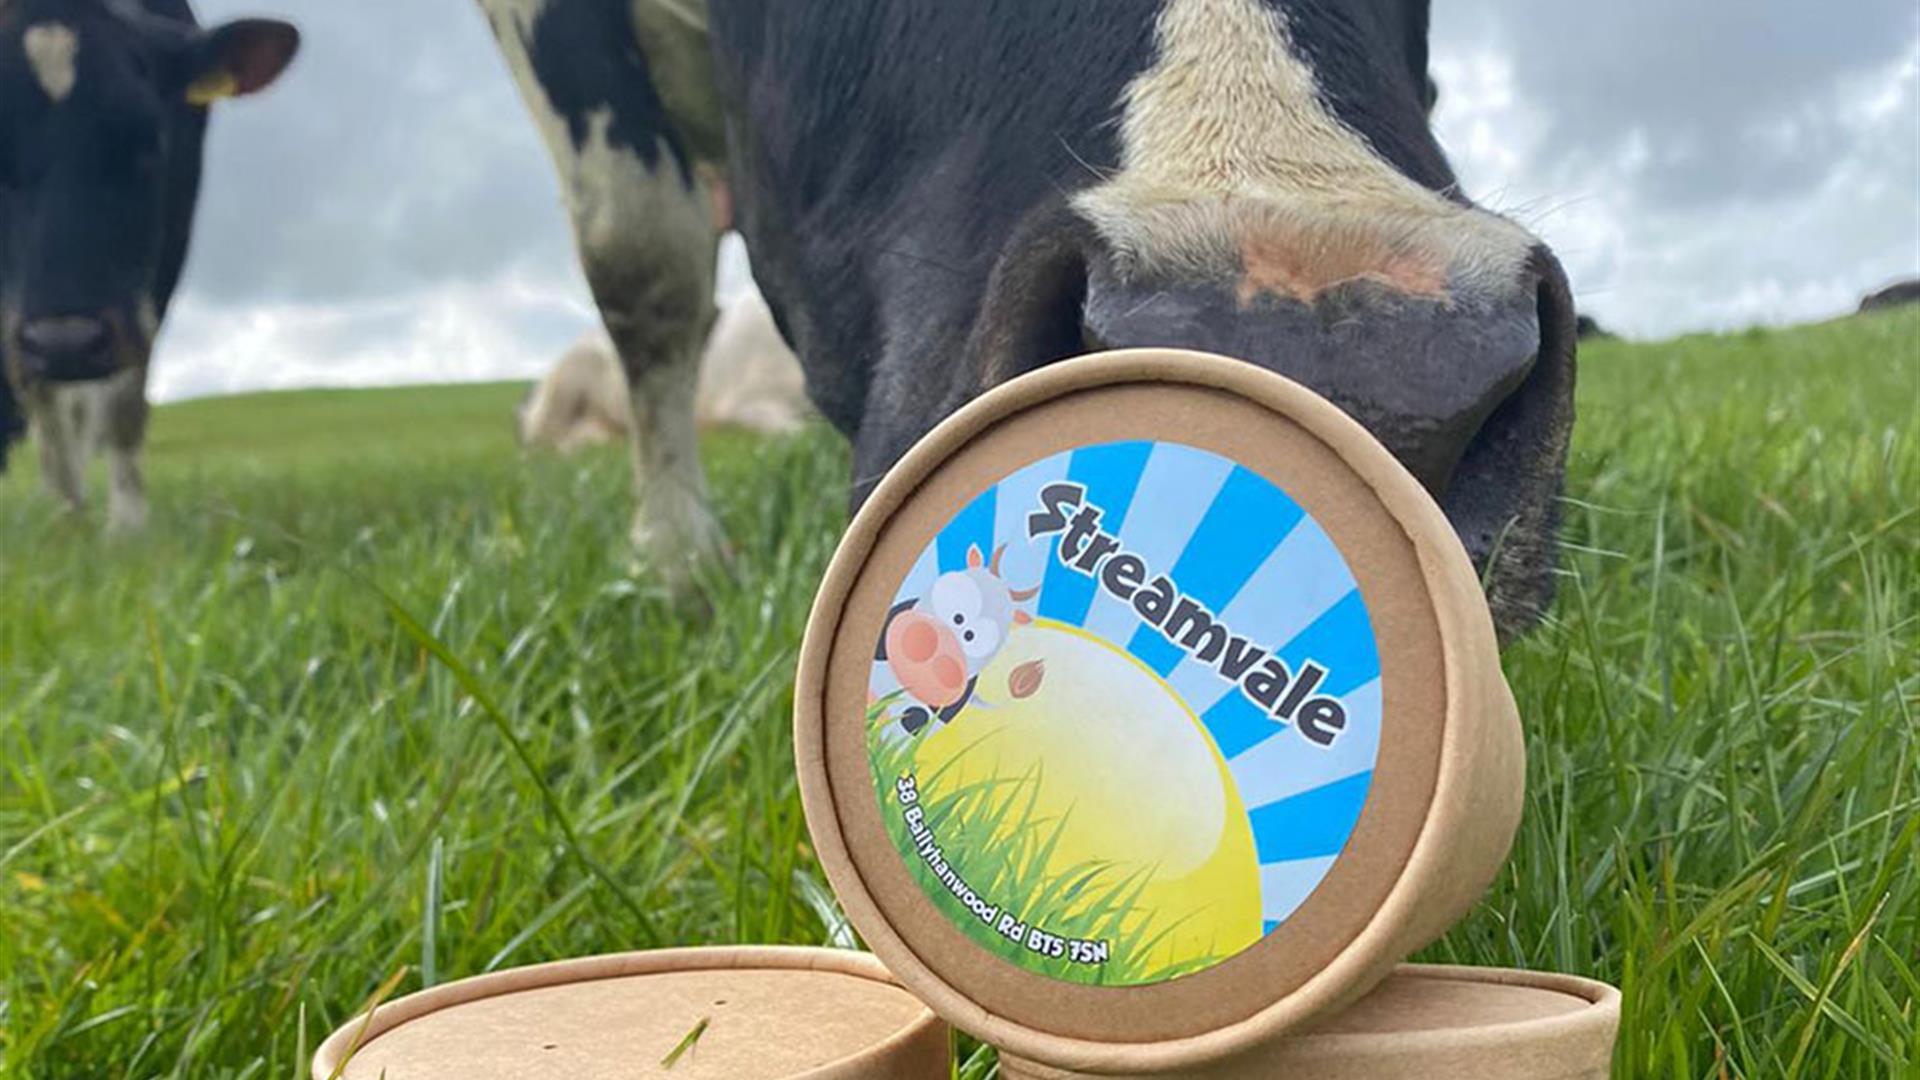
[1474, 801]
[876, 1059]
[1575, 1043]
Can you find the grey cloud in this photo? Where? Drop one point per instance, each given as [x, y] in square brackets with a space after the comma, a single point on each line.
[394, 154]
[1697, 165]
[1717, 100]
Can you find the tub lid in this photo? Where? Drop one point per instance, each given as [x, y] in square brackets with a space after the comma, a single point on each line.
[689, 1014]
[1425, 1021]
[1122, 704]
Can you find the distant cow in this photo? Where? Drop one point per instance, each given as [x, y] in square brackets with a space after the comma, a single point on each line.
[103, 112]
[581, 402]
[1893, 296]
[1588, 328]
[939, 196]
[748, 379]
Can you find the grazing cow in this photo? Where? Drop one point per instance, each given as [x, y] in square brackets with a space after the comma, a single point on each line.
[103, 111]
[941, 196]
[935, 646]
[581, 402]
[1895, 295]
[748, 379]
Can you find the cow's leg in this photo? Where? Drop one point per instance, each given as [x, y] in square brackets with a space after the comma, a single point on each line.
[60, 429]
[123, 415]
[644, 221]
[647, 245]
[673, 524]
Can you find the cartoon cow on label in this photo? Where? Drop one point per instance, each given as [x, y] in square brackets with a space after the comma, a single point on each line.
[935, 646]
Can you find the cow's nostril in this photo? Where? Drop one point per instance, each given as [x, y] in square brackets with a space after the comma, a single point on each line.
[1036, 297]
[64, 337]
[949, 672]
[919, 641]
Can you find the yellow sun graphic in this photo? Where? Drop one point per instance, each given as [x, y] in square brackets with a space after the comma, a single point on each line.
[1120, 774]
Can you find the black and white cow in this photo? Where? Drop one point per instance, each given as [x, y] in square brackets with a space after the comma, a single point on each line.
[940, 196]
[103, 111]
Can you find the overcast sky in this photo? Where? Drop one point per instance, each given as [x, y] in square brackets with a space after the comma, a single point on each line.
[387, 213]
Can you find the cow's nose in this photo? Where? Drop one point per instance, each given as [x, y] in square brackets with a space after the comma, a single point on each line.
[1424, 373]
[926, 659]
[1453, 344]
[66, 347]
[65, 336]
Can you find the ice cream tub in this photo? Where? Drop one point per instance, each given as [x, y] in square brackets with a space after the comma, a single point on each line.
[1434, 1023]
[680, 1014]
[1150, 711]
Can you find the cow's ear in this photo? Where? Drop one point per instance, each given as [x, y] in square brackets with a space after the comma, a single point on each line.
[241, 57]
[975, 560]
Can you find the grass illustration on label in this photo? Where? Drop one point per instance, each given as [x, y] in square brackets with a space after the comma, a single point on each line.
[1037, 940]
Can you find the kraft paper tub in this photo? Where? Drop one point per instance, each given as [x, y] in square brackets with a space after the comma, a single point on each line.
[741, 1013]
[1433, 1023]
[1150, 711]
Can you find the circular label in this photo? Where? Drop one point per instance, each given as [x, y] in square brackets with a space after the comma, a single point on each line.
[1124, 713]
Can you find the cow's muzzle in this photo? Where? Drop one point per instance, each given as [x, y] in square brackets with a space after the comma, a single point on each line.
[926, 659]
[1472, 390]
[66, 348]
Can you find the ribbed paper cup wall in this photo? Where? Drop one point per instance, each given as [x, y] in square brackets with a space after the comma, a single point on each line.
[1430, 1023]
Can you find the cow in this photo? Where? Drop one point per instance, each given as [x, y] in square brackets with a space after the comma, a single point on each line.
[749, 379]
[1898, 294]
[934, 646]
[103, 113]
[580, 402]
[939, 197]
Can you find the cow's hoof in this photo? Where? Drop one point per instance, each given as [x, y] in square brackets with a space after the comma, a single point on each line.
[126, 520]
[678, 540]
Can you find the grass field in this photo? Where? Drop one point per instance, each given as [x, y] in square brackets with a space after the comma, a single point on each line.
[238, 791]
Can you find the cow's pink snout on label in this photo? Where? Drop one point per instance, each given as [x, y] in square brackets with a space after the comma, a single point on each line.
[926, 658]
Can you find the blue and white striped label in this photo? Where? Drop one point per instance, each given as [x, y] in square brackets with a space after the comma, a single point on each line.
[1125, 712]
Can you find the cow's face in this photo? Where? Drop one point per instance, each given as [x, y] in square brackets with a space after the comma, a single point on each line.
[1255, 178]
[940, 644]
[1252, 216]
[975, 607]
[101, 110]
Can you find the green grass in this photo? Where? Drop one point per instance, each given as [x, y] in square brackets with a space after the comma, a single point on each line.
[1008, 852]
[238, 792]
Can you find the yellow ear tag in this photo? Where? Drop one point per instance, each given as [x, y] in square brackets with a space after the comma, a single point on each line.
[213, 86]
